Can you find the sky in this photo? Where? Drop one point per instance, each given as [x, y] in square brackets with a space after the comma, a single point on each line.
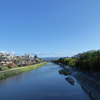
[49, 28]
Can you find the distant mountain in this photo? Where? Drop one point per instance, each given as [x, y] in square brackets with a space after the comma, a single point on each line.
[50, 58]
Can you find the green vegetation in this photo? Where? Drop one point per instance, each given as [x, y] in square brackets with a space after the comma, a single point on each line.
[68, 61]
[16, 66]
[7, 75]
[64, 71]
[15, 71]
[4, 68]
[87, 62]
[37, 61]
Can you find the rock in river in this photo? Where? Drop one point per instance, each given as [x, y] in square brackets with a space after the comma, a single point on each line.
[70, 80]
[64, 71]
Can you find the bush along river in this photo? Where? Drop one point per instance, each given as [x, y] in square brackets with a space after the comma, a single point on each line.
[44, 83]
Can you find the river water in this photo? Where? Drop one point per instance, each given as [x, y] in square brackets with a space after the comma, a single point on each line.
[44, 83]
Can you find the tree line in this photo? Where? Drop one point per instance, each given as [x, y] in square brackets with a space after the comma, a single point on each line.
[87, 62]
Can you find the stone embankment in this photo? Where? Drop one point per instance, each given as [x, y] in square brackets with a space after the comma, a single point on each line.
[15, 71]
[90, 84]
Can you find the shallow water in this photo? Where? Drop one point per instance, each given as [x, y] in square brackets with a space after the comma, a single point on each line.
[44, 83]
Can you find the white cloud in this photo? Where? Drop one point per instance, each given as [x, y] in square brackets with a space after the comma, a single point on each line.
[72, 53]
[45, 53]
[4, 52]
[37, 53]
[13, 52]
[55, 53]
[31, 54]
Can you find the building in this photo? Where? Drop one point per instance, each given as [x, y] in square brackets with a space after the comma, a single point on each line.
[5, 59]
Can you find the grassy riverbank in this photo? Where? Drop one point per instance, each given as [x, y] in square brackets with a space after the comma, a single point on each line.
[15, 71]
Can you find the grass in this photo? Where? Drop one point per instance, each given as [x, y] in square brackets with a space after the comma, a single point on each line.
[4, 68]
[15, 71]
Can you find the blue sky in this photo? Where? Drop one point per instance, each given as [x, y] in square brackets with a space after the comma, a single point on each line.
[49, 27]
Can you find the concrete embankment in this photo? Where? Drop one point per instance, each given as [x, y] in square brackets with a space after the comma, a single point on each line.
[15, 71]
[91, 85]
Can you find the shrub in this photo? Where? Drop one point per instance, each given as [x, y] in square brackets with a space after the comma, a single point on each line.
[86, 66]
[81, 65]
[20, 66]
[60, 60]
[77, 64]
[95, 65]
[16, 66]
[69, 61]
[4, 68]
[37, 61]
[72, 65]
[12, 67]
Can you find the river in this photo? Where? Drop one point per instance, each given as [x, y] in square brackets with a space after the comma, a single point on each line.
[44, 83]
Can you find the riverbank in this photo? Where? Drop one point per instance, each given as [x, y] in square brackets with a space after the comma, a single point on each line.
[91, 87]
[90, 84]
[15, 71]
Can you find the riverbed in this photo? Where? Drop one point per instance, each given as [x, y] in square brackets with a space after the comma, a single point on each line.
[44, 83]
